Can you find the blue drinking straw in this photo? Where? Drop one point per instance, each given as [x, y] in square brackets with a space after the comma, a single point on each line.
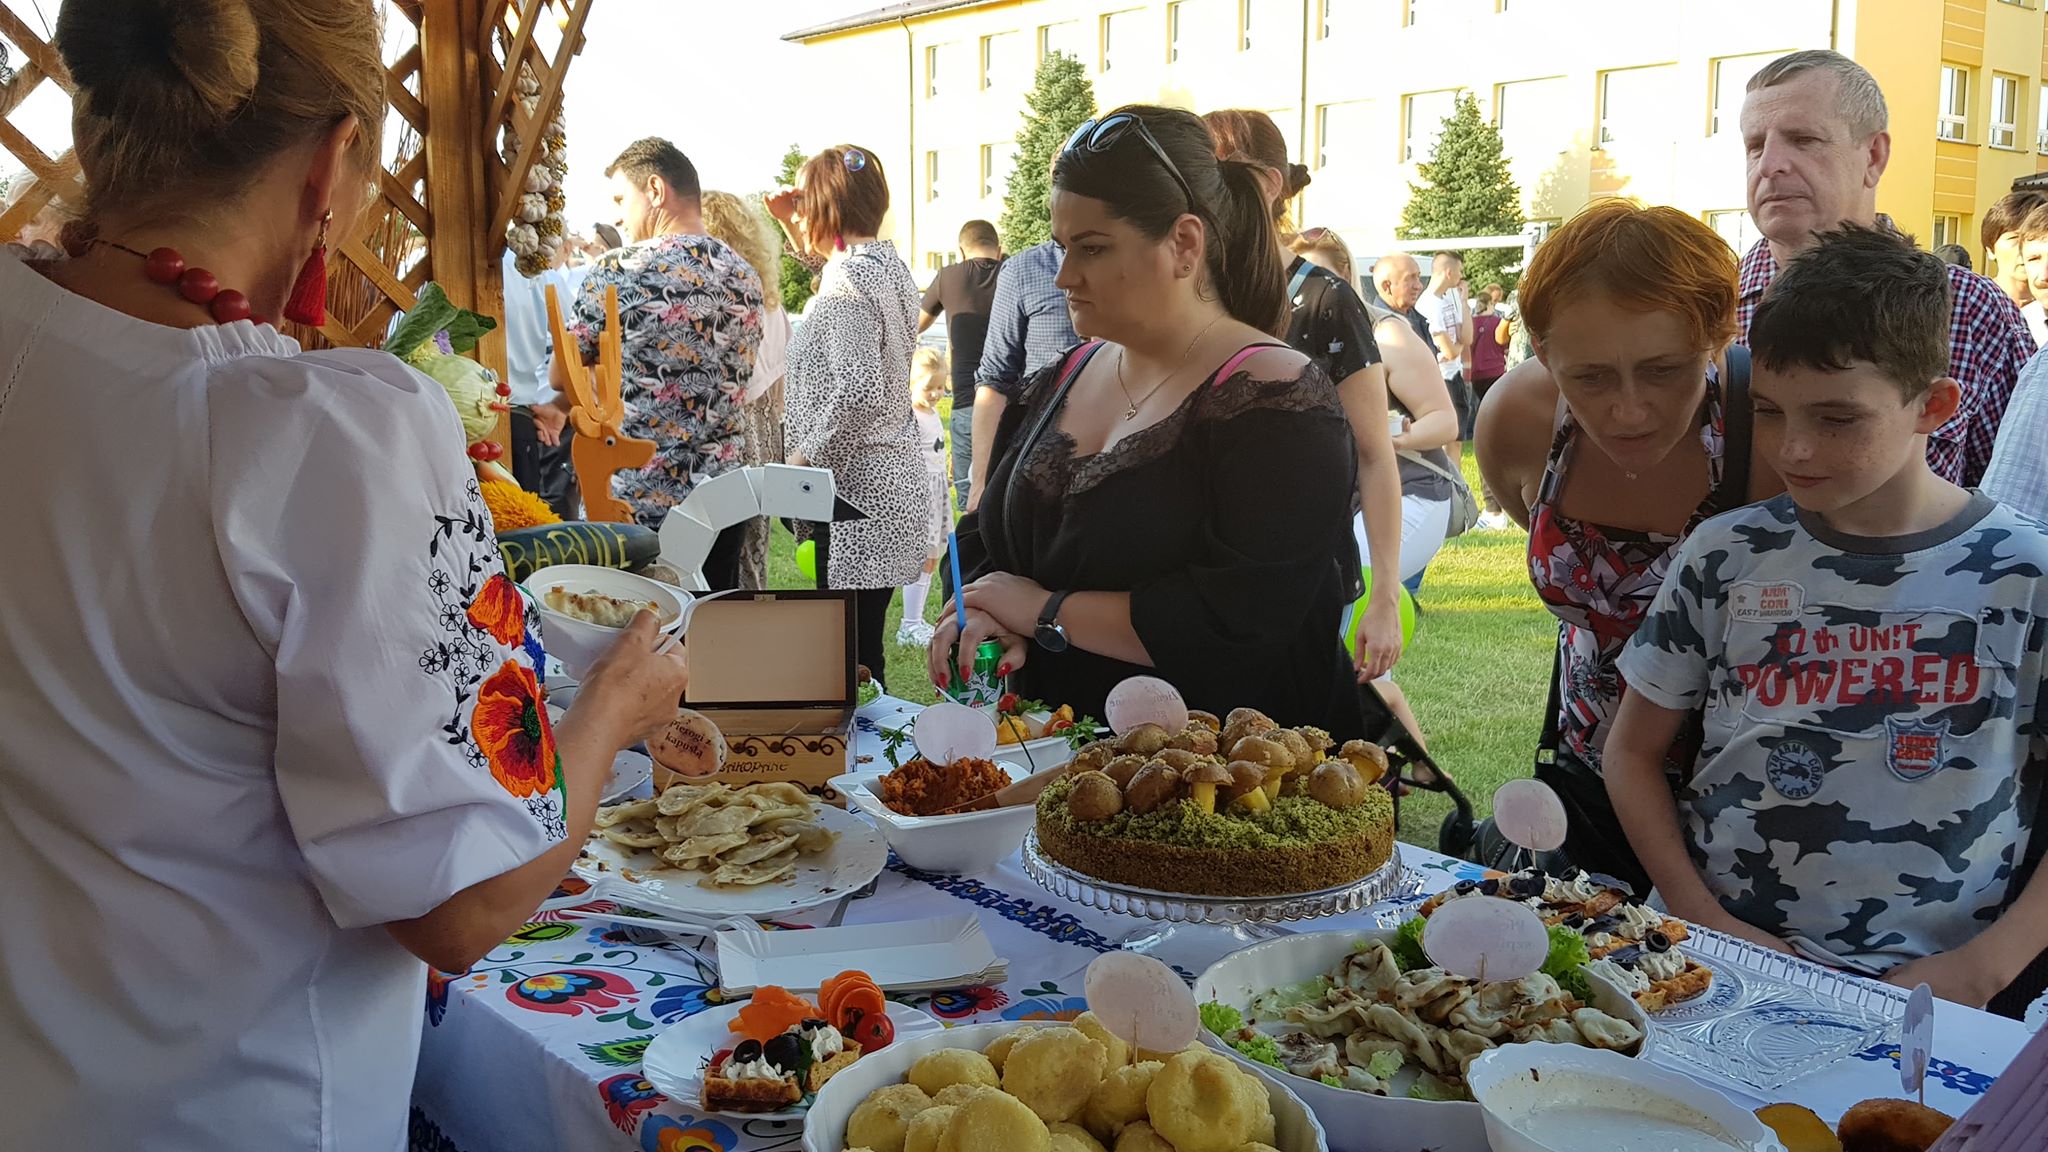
[959, 604]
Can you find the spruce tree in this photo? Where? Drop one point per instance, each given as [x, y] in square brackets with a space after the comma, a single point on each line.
[796, 279]
[1467, 191]
[1061, 100]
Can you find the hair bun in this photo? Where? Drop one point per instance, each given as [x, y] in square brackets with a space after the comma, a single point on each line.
[1297, 178]
[141, 51]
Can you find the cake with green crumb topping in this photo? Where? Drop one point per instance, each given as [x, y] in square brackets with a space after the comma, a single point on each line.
[1294, 843]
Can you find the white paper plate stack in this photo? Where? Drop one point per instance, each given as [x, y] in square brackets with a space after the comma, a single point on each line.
[931, 955]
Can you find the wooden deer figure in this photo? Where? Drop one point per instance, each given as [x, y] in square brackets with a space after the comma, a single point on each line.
[598, 410]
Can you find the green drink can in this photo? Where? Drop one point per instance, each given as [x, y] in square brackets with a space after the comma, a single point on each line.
[985, 687]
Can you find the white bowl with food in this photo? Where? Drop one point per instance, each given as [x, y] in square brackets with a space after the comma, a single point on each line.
[826, 1128]
[583, 607]
[1559, 1098]
[961, 843]
[1266, 982]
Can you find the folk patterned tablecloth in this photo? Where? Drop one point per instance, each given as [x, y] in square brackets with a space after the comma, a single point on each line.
[538, 1047]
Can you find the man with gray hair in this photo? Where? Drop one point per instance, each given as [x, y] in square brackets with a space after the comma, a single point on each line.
[1814, 131]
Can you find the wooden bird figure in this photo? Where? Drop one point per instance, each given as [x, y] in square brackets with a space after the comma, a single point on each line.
[596, 393]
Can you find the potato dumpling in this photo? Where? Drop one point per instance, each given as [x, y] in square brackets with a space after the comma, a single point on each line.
[1201, 1103]
[882, 1119]
[1120, 1099]
[1255, 1146]
[1886, 1125]
[1074, 1138]
[1146, 1054]
[995, 1122]
[926, 1128]
[1113, 1046]
[955, 1095]
[1140, 1137]
[1054, 1072]
[999, 1051]
[937, 1071]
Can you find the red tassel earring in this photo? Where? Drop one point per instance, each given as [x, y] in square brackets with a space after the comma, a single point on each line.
[308, 303]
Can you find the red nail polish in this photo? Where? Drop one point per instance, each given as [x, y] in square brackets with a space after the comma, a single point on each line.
[944, 680]
[1002, 669]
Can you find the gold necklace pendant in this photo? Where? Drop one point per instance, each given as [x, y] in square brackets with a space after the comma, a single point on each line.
[1131, 413]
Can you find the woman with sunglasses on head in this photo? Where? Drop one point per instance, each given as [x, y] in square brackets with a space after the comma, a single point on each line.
[848, 402]
[271, 732]
[1167, 498]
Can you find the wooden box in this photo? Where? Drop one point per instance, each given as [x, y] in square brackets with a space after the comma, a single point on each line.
[775, 671]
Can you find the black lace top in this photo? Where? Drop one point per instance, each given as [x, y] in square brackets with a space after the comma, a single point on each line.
[1220, 520]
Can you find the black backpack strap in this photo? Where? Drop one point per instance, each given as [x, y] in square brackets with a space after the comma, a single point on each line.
[1738, 422]
[1076, 360]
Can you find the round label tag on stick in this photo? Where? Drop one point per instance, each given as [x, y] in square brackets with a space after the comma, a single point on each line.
[1486, 938]
[1142, 1001]
[949, 732]
[691, 745]
[1144, 700]
[1530, 815]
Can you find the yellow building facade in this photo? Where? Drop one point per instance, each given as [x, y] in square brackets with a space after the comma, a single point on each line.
[1593, 98]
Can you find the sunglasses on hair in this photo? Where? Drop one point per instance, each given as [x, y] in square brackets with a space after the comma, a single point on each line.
[1102, 135]
[1313, 235]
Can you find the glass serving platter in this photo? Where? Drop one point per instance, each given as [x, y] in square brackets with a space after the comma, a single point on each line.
[1389, 882]
[1767, 1019]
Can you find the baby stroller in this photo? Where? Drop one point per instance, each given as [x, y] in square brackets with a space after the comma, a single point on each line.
[1412, 768]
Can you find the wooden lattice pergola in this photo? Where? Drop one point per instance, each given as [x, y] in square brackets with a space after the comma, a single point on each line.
[461, 136]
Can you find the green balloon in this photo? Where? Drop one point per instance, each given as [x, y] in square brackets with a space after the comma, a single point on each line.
[807, 559]
[1354, 616]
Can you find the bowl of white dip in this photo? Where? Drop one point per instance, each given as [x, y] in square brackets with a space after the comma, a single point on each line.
[1560, 1098]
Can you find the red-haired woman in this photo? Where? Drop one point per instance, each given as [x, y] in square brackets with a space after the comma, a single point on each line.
[1628, 428]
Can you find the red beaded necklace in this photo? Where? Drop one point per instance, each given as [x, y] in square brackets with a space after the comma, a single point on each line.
[167, 266]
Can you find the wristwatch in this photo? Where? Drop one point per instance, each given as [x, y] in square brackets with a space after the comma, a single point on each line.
[1050, 635]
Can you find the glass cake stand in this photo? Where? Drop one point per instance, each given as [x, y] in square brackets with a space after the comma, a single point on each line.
[1241, 920]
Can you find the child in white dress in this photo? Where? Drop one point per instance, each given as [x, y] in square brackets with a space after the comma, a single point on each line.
[929, 385]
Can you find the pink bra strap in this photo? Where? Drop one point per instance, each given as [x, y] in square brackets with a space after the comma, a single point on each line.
[1243, 354]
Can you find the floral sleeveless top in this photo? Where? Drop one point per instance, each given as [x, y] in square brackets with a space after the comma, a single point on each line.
[1599, 583]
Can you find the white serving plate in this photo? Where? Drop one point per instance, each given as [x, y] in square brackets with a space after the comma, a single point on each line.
[937, 952]
[1516, 1081]
[825, 1127]
[1393, 1122]
[578, 644]
[968, 842]
[652, 884]
[674, 1062]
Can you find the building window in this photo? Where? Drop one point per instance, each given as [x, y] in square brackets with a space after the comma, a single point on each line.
[996, 161]
[1414, 11]
[931, 175]
[1423, 118]
[1341, 133]
[1063, 38]
[2041, 122]
[1634, 104]
[1328, 25]
[1735, 226]
[1119, 32]
[931, 72]
[934, 261]
[1532, 118]
[1244, 25]
[1731, 76]
[1001, 55]
[1176, 20]
[1948, 229]
[1955, 104]
[2005, 111]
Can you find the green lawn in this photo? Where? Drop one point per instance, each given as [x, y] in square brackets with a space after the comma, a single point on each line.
[1475, 673]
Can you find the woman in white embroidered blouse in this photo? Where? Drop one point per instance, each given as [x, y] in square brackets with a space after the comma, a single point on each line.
[270, 731]
[849, 384]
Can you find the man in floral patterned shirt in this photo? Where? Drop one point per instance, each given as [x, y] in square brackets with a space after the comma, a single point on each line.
[690, 314]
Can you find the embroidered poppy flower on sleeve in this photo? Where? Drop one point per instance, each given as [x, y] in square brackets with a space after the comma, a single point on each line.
[500, 610]
[511, 726]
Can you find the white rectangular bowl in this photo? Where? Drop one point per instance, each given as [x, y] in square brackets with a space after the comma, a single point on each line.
[825, 1126]
[1364, 1122]
[968, 842]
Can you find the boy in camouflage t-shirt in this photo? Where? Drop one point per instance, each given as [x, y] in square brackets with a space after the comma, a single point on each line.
[1868, 650]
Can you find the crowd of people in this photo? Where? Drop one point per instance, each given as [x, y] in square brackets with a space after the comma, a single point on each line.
[1786, 507]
